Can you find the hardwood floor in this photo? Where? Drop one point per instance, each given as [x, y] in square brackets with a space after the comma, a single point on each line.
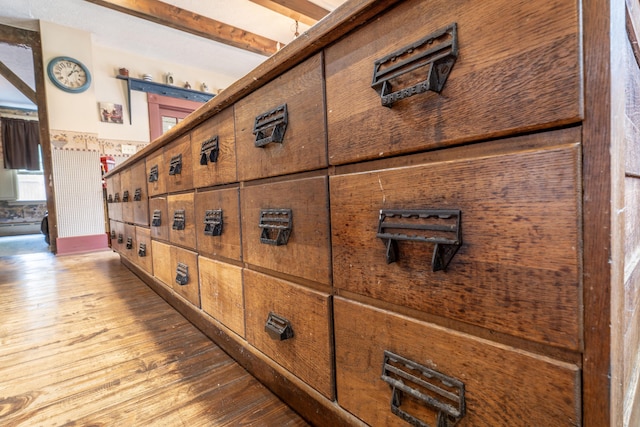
[84, 342]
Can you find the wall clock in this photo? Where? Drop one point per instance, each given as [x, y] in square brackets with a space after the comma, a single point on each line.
[69, 74]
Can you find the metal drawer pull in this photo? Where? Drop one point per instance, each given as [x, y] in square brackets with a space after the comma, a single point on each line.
[182, 274]
[175, 166]
[137, 195]
[209, 151]
[125, 196]
[437, 51]
[213, 222]
[116, 198]
[113, 235]
[156, 219]
[120, 238]
[178, 220]
[153, 173]
[271, 126]
[276, 226]
[439, 392]
[278, 327]
[129, 242]
[439, 226]
[142, 250]
[109, 198]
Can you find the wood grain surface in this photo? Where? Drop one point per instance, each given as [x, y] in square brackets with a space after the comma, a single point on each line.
[85, 342]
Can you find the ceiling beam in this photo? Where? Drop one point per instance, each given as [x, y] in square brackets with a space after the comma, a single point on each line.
[184, 20]
[299, 10]
[18, 83]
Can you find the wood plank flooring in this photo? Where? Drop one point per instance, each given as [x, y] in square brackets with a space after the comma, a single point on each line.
[84, 342]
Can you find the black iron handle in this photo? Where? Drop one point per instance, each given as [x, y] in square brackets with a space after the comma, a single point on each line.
[182, 274]
[153, 173]
[129, 242]
[433, 55]
[209, 151]
[142, 250]
[156, 219]
[442, 394]
[175, 165]
[278, 327]
[276, 225]
[125, 196]
[439, 226]
[271, 126]
[137, 195]
[213, 222]
[178, 219]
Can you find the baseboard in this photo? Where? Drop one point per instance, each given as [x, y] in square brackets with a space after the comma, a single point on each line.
[81, 244]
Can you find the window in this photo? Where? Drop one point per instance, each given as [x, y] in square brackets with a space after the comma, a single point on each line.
[31, 183]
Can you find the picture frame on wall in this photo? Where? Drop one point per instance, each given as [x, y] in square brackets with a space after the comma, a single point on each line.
[110, 112]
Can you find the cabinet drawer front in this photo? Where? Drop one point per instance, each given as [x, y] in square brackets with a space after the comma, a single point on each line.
[115, 211]
[117, 235]
[178, 166]
[518, 68]
[139, 195]
[218, 223]
[159, 218]
[185, 278]
[307, 353]
[221, 293]
[503, 386]
[129, 243]
[181, 221]
[306, 251]
[156, 173]
[126, 195]
[517, 269]
[143, 250]
[213, 151]
[162, 262]
[113, 187]
[303, 146]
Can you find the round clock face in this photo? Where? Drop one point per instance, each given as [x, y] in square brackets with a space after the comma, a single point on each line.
[69, 74]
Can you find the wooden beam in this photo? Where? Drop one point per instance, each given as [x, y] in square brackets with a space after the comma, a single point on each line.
[299, 10]
[18, 82]
[184, 20]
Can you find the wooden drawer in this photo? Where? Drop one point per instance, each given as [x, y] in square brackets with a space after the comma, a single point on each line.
[518, 68]
[267, 206]
[221, 293]
[303, 146]
[128, 247]
[180, 176]
[144, 253]
[221, 235]
[308, 352]
[139, 195]
[113, 187]
[517, 270]
[156, 173]
[160, 220]
[117, 235]
[126, 196]
[182, 226]
[115, 210]
[503, 386]
[162, 266]
[188, 287]
[213, 150]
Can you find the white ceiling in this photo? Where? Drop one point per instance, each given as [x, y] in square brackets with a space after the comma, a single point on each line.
[123, 32]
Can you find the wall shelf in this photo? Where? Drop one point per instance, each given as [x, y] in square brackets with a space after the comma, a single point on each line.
[161, 89]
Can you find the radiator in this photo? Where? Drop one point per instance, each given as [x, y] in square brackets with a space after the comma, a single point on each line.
[78, 192]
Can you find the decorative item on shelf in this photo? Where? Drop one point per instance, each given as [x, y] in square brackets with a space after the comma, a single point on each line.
[187, 85]
[168, 79]
[147, 77]
[204, 87]
[123, 72]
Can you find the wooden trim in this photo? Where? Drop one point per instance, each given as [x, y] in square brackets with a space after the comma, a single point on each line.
[305, 400]
[299, 10]
[603, 218]
[17, 82]
[189, 22]
[347, 17]
[19, 36]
